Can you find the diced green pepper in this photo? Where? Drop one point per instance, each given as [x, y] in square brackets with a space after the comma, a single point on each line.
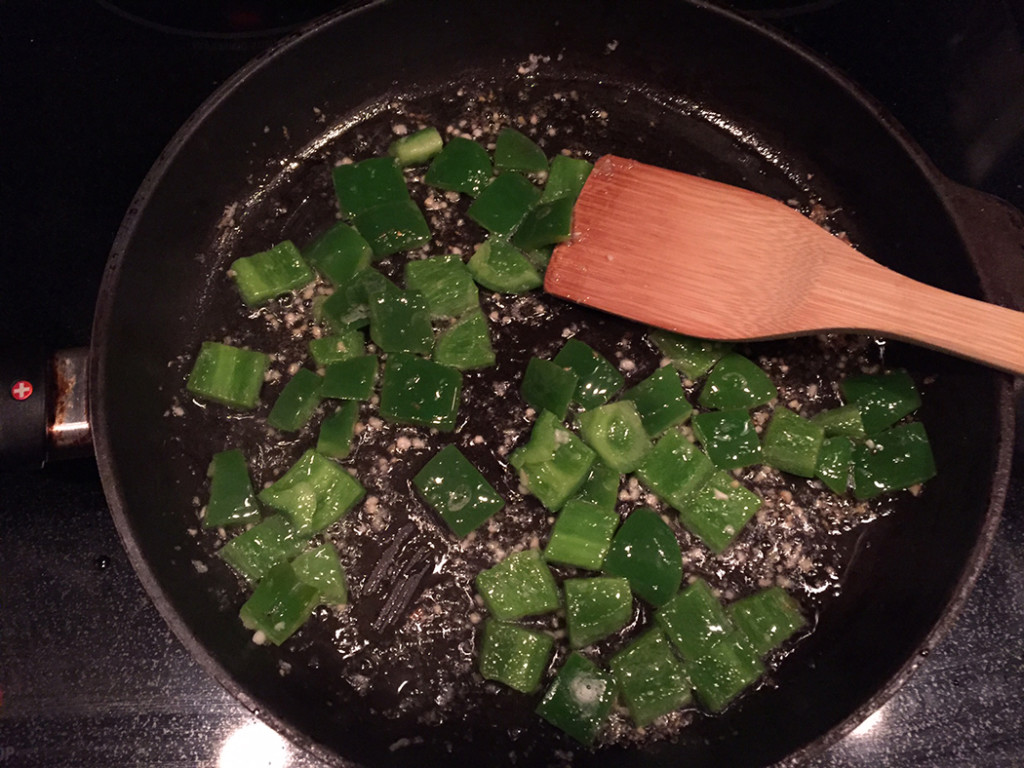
[267, 274]
[579, 699]
[601, 487]
[694, 620]
[728, 437]
[737, 382]
[254, 552]
[457, 491]
[368, 184]
[393, 227]
[768, 618]
[897, 458]
[515, 151]
[834, 463]
[883, 399]
[416, 148]
[616, 434]
[337, 430]
[421, 392]
[232, 501]
[400, 321]
[652, 680]
[582, 535]
[719, 510]
[504, 203]
[514, 655]
[467, 344]
[725, 671]
[545, 224]
[566, 178]
[445, 283]
[645, 550]
[339, 253]
[321, 569]
[351, 379]
[595, 607]
[498, 266]
[228, 375]
[598, 379]
[279, 605]
[675, 469]
[792, 443]
[520, 585]
[335, 492]
[844, 420]
[548, 386]
[660, 401]
[462, 166]
[554, 464]
[344, 345]
[691, 356]
[297, 401]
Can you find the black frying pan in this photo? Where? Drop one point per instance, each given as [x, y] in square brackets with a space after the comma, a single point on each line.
[691, 88]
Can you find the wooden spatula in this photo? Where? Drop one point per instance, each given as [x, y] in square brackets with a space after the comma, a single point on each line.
[707, 259]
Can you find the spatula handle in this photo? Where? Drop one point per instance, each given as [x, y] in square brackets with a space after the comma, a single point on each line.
[891, 304]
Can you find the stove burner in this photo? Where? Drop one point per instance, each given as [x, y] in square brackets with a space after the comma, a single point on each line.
[222, 18]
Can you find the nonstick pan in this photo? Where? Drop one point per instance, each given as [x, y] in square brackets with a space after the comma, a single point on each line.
[681, 85]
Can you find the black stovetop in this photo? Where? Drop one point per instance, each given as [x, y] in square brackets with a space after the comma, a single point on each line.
[89, 673]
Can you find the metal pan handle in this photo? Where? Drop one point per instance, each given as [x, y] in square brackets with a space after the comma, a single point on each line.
[44, 406]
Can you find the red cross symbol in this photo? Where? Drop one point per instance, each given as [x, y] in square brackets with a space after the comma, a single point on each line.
[22, 390]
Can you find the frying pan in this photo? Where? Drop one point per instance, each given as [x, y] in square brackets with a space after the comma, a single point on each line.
[726, 99]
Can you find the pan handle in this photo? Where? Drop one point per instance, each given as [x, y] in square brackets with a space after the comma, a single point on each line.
[44, 406]
[993, 231]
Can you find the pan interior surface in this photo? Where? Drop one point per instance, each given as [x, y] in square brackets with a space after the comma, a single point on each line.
[683, 87]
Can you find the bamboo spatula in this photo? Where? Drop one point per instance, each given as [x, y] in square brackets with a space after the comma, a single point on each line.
[707, 259]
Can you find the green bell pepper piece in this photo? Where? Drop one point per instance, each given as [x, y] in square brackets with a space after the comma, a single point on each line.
[792, 443]
[554, 464]
[601, 487]
[321, 569]
[416, 148]
[834, 463]
[400, 321]
[514, 655]
[343, 345]
[736, 382]
[595, 608]
[232, 501]
[660, 401]
[268, 274]
[892, 460]
[445, 283]
[653, 682]
[725, 671]
[279, 605]
[297, 401]
[271, 541]
[467, 344]
[566, 178]
[515, 151]
[768, 618]
[616, 434]
[339, 253]
[579, 699]
[645, 551]
[504, 203]
[598, 379]
[462, 166]
[694, 620]
[228, 375]
[728, 437]
[883, 399]
[368, 184]
[718, 511]
[337, 430]
[545, 224]
[582, 535]
[457, 491]
[498, 266]
[845, 420]
[675, 469]
[334, 490]
[690, 356]
[351, 379]
[520, 585]
[421, 392]
[548, 386]
[393, 227]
